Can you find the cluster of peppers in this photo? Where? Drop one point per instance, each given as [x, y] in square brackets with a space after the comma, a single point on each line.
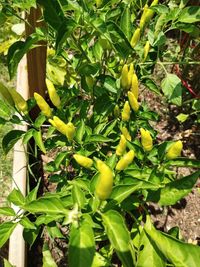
[66, 129]
[129, 81]
[144, 20]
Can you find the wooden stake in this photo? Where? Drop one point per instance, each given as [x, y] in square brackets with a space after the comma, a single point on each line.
[36, 58]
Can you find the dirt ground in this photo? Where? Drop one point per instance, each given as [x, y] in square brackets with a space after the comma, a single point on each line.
[186, 213]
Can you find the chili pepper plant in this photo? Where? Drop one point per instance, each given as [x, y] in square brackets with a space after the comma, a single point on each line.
[108, 165]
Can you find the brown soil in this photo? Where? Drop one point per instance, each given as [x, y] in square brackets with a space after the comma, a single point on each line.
[186, 213]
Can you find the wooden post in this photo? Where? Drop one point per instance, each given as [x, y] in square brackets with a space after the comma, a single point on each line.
[36, 58]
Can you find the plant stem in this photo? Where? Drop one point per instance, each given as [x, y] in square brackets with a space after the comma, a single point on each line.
[171, 63]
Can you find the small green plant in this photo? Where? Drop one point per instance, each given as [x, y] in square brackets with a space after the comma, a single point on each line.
[108, 165]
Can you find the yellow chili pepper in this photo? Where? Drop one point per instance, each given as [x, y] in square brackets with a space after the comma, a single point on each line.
[70, 131]
[66, 129]
[125, 161]
[135, 86]
[147, 14]
[143, 17]
[59, 124]
[19, 101]
[133, 101]
[105, 181]
[146, 50]
[155, 2]
[174, 150]
[146, 139]
[55, 98]
[135, 38]
[52, 123]
[44, 107]
[130, 74]
[124, 77]
[126, 133]
[121, 146]
[126, 112]
[83, 161]
[116, 111]
[98, 3]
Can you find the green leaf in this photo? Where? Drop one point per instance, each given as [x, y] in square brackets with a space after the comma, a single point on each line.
[33, 194]
[52, 12]
[148, 256]
[176, 252]
[89, 69]
[111, 161]
[97, 138]
[192, 29]
[172, 89]
[30, 235]
[26, 223]
[182, 117]
[25, 4]
[54, 231]
[16, 197]
[184, 162]
[119, 40]
[45, 219]
[121, 192]
[109, 84]
[178, 189]
[99, 261]
[118, 235]
[161, 9]
[65, 30]
[151, 85]
[78, 196]
[142, 174]
[37, 135]
[160, 40]
[7, 264]
[7, 211]
[17, 50]
[97, 51]
[190, 14]
[5, 110]
[27, 136]
[3, 18]
[6, 230]
[125, 23]
[60, 158]
[10, 139]
[46, 205]
[5, 95]
[39, 120]
[81, 245]
[196, 104]
[47, 258]
[80, 132]
[56, 74]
